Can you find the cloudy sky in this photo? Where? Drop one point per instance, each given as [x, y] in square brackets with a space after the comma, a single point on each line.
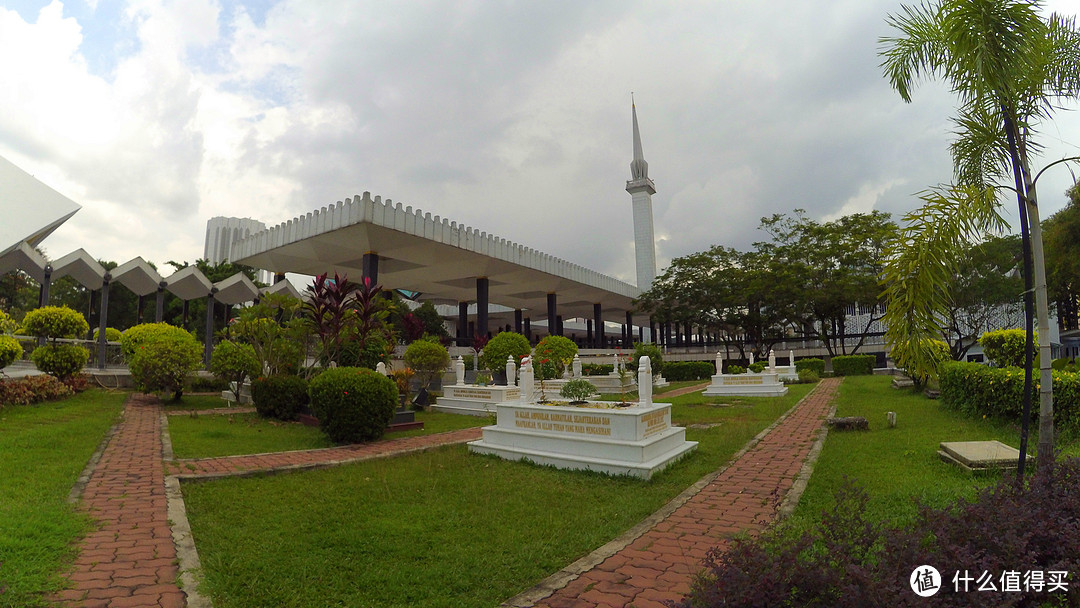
[512, 117]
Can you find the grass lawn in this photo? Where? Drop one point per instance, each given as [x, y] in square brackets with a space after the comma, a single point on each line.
[899, 466]
[43, 448]
[195, 402]
[420, 529]
[233, 434]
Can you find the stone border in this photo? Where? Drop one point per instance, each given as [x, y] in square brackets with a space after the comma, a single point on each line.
[555, 582]
[191, 573]
[91, 465]
[791, 500]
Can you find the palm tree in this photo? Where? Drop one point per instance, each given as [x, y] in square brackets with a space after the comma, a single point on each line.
[1009, 67]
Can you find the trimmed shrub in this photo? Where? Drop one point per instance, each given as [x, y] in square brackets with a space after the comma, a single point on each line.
[200, 384]
[7, 324]
[736, 369]
[134, 336]
[853, 365]
[163, 358]
[505, 344]
[652, 351]
[678, 371]
[758, 367]
[578, 391]
[353, 404]
[60, 360]
[234, 363]
[55, 322]
[428, 359]
[10, 351]
[557, 352]
[978, 390]
[32, 389]
[281, 397]
[1060, 364]
[1005, 347]
[808, 376]
[812, 363]
[368, 352]
[111, 334]
[596, 369]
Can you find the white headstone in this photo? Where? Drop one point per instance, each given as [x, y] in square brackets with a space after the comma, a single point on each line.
[719, 362]
[644, 381]
[381, 368]
[791, 358]
[772, 360]
[751, 357]
[511, 370]
[525, 382]
[459, 371]
[577, 366]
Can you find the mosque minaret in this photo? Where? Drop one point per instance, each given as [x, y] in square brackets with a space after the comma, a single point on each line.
[641, 189]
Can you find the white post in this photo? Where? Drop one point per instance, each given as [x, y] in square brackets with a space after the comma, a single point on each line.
[381, 368]
[719, 362]
[644, 380]
[772, 362]
[511, 370]
[459, 371]
[791, 360]
[577, 366]
[526, 380]
[751, 357]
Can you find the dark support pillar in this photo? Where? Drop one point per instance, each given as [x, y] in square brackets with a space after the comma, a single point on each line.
[552, 325]
[598, 323]
[472, 332]
[279, 277]
[629, 330]
[558, 325]
[652, 331]
[370, 267]
[463, 324]
[517, 321]
[208, 335]
[624, 335]
[102, 320]
[228, 314]
[45, 284]
[641, 334]
[589, 333]
[482, 306]
[528, 329]
[138, 309]
[159, 312]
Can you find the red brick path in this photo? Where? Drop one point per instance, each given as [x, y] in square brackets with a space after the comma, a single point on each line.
[130, 559]
[301, 459]
[661, 563]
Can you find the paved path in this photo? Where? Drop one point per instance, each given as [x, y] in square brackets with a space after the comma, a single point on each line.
[130, 559]
[681, 391]
[661, 563]
[305, 459]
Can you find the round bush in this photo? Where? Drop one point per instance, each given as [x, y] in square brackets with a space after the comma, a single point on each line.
[60, 360]
[55, 322]
[557, 351]
[736, 369]
[139, 334]
[1005, 347]
[428, 359]
[506, 344]
[164, 361]
[111, 334]
[235, 363]
[281, 397]
[353, 404]
[758, 367]
[652, 351]
[10, 351]
[578, 390]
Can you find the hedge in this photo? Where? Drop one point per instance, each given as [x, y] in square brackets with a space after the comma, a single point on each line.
[853, 365]
[1005, 347]
[811, 363]
[978, 390]
[281, 397]
[596, 369]
[353, 404]
[678, 371]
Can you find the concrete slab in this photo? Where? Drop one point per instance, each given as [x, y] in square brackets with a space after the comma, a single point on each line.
[979, 455]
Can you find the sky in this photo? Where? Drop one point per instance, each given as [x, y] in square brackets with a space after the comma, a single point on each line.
[511, 117]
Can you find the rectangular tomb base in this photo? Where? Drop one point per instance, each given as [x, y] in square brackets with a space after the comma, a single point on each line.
[637, 441]
[979, 455]
[474, 400]
[754, 385]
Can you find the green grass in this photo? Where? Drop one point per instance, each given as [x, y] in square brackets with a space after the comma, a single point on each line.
[420, 529]
[195, 402]
[216, 435]
[43, 448]
[899, 466]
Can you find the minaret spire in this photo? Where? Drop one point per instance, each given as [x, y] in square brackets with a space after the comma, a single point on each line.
[641, 189]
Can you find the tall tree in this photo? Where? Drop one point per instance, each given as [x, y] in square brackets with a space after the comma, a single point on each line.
[985, 292]
[1062, 234]
[1010, 68]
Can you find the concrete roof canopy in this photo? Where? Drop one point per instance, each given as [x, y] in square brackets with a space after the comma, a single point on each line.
[80, 266]
[41, 209]
[283, 287]
[138, 276]
[189, 283]
[236, 290]
[25, 258]
[431, 255]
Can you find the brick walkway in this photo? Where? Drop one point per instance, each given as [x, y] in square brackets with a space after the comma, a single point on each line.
[130, 560]
[661, 563]
[306, 459]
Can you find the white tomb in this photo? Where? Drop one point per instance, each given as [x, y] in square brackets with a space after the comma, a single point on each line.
[470, 399]
[638, 440]
[749, 384]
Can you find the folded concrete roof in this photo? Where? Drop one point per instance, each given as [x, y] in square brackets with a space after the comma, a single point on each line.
[32, 209]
